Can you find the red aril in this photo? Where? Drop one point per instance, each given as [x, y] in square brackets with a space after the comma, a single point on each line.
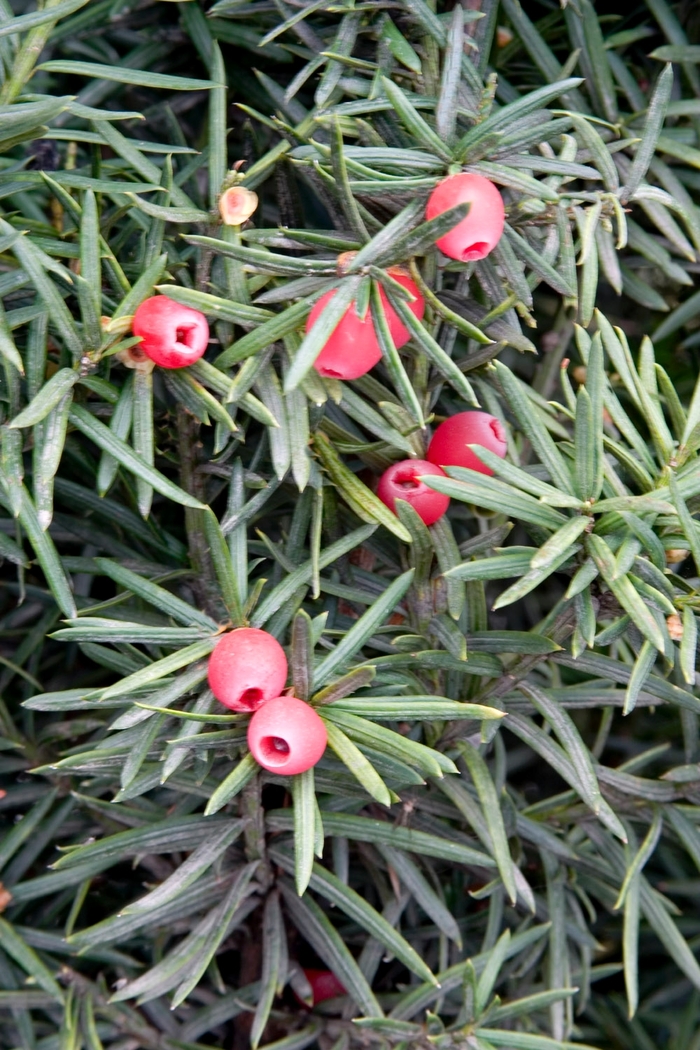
[449, 447]
[477, 234]
[401, 481]
[352, 348]
[286, 736]
[324, 985]
[172, 335]
[247, 668]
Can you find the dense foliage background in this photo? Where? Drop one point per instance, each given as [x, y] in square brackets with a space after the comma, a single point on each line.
[501, 846]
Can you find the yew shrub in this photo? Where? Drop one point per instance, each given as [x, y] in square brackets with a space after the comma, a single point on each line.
[493, 837]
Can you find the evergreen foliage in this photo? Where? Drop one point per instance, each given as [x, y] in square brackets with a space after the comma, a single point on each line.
[501, 845]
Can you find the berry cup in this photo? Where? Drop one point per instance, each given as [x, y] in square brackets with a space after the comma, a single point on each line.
[286, 736]
[247, 668]
[450, 444]
[480, 231]
[352, 348]
[172, 335]
[402, 481]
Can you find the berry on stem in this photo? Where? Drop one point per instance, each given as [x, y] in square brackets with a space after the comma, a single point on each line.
[172, 335]
[451, 440]
[477, 234]
[247, 668]
[352, 348]
[324, 985]
[402, 481]
[286, 736]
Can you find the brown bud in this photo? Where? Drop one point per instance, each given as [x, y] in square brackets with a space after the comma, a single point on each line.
[549, 341]
[116, 325]
[236, 205]
[675, 627]
[134, 357]
[363, 557]
[676, 555]
[343, 261]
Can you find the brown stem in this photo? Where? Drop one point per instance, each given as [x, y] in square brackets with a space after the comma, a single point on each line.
[471, 5]
[204, 577]
[251, 807]
[204, 583]
[555, 345]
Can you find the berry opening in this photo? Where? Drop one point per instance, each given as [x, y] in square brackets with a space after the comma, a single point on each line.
[184, 335]
[475, 251]
[497, 428]
[251, 698]
[330, 373]
[274, 750]
[407, 481]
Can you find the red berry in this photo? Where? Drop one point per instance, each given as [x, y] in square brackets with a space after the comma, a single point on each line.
[324, 985]
[449, 445]
[353, 348]
[400, 481]
[286, 736]
[247, 668]
[172, 335]
[477, 234]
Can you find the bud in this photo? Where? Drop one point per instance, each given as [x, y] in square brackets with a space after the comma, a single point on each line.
[5, 897]
[134, 357]
[116, 325]
[343, 261]
[675, 627]
[676, 555]
[236, 205]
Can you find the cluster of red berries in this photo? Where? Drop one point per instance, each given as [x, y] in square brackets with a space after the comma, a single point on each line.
[353, 348]
[247, 673]
[174, 336]
[448, 448]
